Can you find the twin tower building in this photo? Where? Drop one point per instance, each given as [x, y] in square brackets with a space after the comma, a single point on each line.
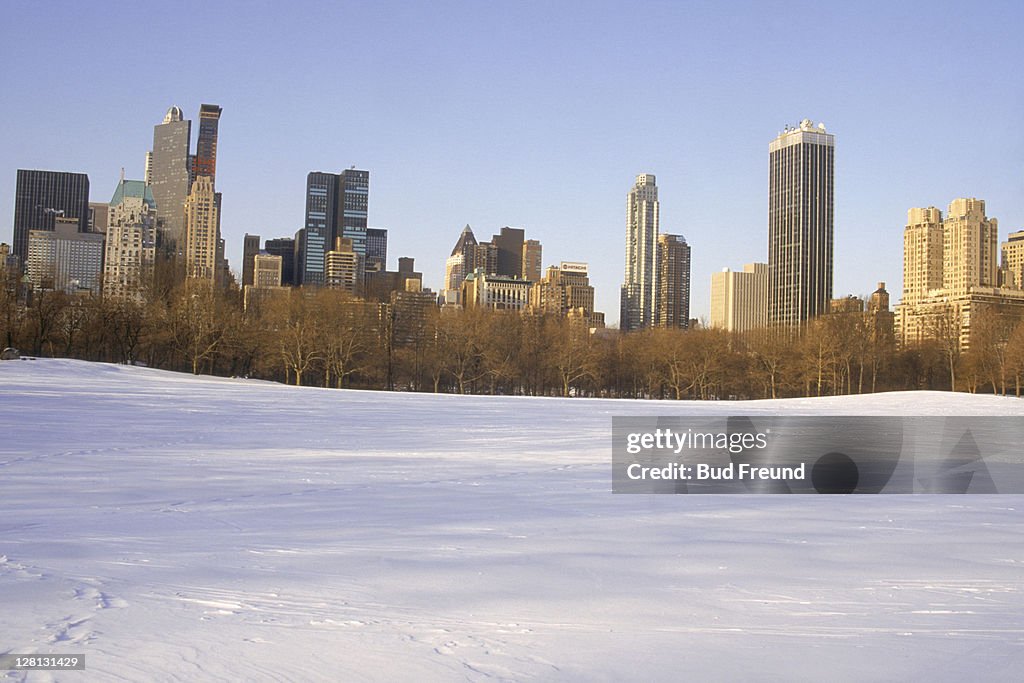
[656, 290]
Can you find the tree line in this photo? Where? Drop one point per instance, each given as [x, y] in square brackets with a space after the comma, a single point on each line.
[329, 339]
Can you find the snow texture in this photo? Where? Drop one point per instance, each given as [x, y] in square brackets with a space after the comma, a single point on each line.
[171, 527]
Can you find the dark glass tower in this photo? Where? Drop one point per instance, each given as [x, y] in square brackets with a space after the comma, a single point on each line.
[204, 163]
[41, 196]
[336, 206]
[354, 186]
[321, 214]
[376, 249]
[800, 224]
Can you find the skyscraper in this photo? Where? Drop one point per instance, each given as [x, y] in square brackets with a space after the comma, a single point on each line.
[739, 299]
[336, 206]
[202, 242]
[40, 197]
[204, 163]
[65, 259]
[376, 249]
[800, 223]
[285, 248]
[637, 297]
[170, 174]
[353, 208]
[131, 242]
[250, 248]
[672, 298]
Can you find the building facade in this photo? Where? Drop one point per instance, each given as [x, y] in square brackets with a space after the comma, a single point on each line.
[376, 249]
[672, 282]
[130, 252]
[495, 291]
[1013, 260]
[564, 288]
[800, 223]
[203, 248]
[636, 308]
[739, 299]
[40, 197]
[344, 267]
[336, 206]
[250, 248]
[204, 163]
[950, 273]
[169, 173]
[532, 260]
[65, 259]
[285, 248]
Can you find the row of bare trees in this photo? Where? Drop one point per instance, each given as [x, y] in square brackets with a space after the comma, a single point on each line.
[328, 339]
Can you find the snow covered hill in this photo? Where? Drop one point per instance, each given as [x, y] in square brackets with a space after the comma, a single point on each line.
[179, 528]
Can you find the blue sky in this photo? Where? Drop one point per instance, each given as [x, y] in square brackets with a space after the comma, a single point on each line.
[536, 115]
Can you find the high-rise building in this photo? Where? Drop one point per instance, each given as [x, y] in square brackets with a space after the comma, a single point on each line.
[532, 260]
[672, 282]
[40, 197]
[636, 309]
[800, 223]
[1013, 260]
[131, 242]
[969, 258]
[739, 299]
[202, 240]
[336, 206]
[204, 163]
[950, 273]
[321, 214]
[267, 270]
[353, 206]
[344, 267]
[250, 247]
[509, 246]
[376, 249]
[563, 289]
[99, 216]
[922, 253]
[65, 259]
[285, 248]
[459, 264]
[170, 175]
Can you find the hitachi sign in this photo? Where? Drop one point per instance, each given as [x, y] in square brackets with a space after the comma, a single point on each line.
[573, 267]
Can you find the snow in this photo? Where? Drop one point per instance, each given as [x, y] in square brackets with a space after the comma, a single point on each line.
[172, 527]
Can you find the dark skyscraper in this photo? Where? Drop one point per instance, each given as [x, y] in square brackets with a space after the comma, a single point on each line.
[41, 196]
[321, 216]
[355, 191]
[170, 173]
[285, 248]
[800, 224]
[376, 248]
[250, 247]
[336, 206]
[509, 246]
[672, 282]
[204, 163]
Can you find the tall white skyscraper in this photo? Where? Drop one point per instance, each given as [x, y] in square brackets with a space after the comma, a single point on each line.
[800, 223]
[636, 309]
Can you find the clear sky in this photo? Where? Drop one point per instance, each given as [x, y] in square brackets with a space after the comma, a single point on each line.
[536, 115]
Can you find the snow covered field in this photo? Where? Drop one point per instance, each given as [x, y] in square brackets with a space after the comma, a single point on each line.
[180, 528]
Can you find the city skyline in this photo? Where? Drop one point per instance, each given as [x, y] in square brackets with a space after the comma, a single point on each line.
[457, 131]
